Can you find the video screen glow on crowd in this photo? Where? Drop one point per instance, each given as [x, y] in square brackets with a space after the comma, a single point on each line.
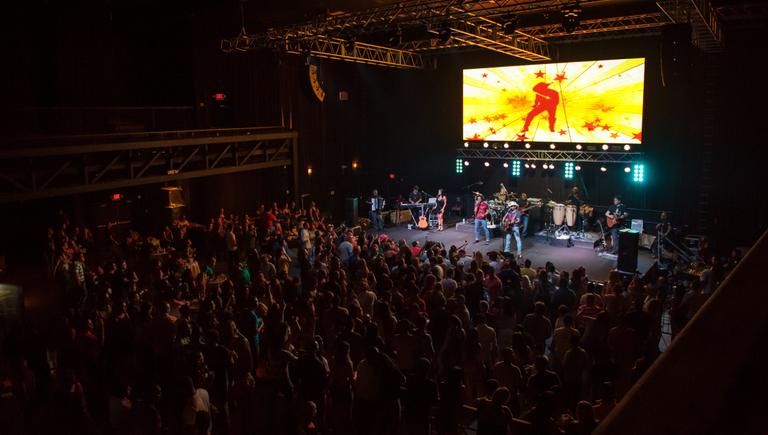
[598, 101]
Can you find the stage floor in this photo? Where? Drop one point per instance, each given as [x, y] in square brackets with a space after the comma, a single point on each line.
[535, 247]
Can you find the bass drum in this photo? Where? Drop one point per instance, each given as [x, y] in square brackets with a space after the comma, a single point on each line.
[558, 214]
[493, 218]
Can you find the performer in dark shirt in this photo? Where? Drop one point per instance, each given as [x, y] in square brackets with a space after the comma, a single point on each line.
[616, 214]
[415, 197]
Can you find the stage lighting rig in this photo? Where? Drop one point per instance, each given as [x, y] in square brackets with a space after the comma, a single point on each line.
[510, 24]
[571, 17]
[444, 33]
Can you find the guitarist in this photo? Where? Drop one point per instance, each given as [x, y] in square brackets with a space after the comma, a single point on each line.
[481, 218]
[615, 217]
[510, 226]
[524, 207]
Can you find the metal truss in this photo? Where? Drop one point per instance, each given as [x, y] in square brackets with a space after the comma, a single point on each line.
[601, 25]
[487, 34]
[550, 155]
[467, 20]
[356, 52]
[707, 32]
[47, 171]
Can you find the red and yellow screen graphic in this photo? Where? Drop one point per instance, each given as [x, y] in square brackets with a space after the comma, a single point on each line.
[597, 101]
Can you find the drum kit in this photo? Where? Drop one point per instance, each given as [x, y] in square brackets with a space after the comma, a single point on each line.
[499, 207]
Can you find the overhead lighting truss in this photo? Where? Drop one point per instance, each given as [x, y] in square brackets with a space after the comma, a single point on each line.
[359, 52]
[478, 23]
[602, 25]
[550, 155]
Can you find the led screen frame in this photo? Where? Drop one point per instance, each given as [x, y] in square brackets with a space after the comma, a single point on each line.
[597, 101]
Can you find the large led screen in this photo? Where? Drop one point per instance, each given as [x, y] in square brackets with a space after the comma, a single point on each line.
[597, 101]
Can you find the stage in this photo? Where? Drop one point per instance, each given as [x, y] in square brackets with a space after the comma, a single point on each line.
[538, 248]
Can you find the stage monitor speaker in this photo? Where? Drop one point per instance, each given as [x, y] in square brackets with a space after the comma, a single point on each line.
[628, 243]
[350, 211]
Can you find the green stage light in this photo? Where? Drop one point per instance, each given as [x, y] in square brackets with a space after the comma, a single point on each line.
[638, 173]
[459, 166]
[516, 168]
[568, 170]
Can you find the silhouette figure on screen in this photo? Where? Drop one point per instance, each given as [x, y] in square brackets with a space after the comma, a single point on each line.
[546, 101]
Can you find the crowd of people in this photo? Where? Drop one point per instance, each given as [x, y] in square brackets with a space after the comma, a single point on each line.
[283, 323]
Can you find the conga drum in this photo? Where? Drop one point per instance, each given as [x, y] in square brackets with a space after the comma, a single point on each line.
[558, 214]
[570, 215]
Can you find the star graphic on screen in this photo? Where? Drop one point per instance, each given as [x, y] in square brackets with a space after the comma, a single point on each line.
[502, 116]
[606, 127]
[476, 137]
[638, 136]
[600, 65]
[589, 126]
[487, 118]
[560, 77]
[562, 132]
[521, 137]
[597, 121]
[614, 135]
[539, 74]
[485, 75]
[472, 121]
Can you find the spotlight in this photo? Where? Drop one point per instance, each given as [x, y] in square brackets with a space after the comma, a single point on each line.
[487, 163]
[551, 146]
[354, 164]
[627, 169]
[349, 42]
[533, 165]
[466, 144]
[459, 168]
[571, 15]
[578, 146]
[506, 145]
[603, 169]
[577, 167]
[627, 147]
[466, 162]
[506, 165]
[516, 168]
[551, 166]
[527, 165]
[510, 25]
[485, 144]
[309, 170]
[527, 146]
[445, 33]
[605, 147]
